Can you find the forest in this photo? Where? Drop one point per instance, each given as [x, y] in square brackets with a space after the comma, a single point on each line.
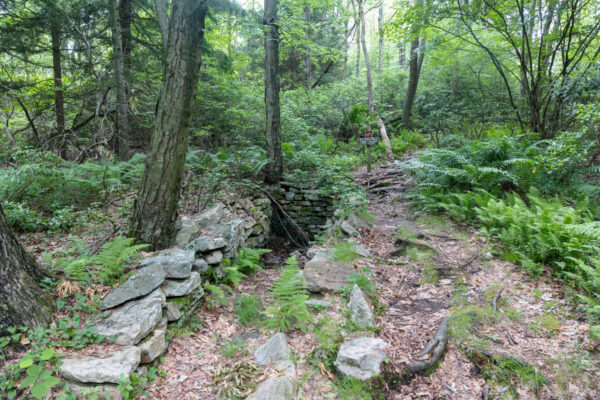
[300, 199]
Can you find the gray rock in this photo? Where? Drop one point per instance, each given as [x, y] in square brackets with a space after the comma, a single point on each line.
[274, 349]
[360, 310]
[203, 244]
[101, 370]
[173, 312]
[200, 266]
[277, 387]
[188, 231]
[362, 250]
[210, 217]
[322, 274]
[316, 303]
[361, 358]
[177, 288]
[139, 284]
[360, 222]
[322, 252]
[349, 229]
[232, 232]
[178, 306]
[153, 346]
[131, 322]
[214, 258]
[106, 391]
[177, 263]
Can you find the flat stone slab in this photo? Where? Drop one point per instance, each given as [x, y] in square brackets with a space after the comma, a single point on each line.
[178, 306]
[177, 263]
[133, 321]
[101, 370]
[360, 309]
[139, 284]
[324, 275]
[153, 346]
[361, 358]
[277, 387]
[273, 350]
[187, 232]
[205, 244]
[349, 229]
[214, 258]
[316, 303]
[177, 288]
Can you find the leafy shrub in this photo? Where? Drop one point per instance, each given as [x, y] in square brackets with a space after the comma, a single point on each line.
[288, 300]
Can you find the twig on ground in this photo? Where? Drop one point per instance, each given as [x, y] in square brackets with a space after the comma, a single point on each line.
[495, 301]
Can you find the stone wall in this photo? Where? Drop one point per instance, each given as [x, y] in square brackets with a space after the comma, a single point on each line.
[308, 207]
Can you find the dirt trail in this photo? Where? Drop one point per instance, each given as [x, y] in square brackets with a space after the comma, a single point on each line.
[418, 288]
[534, 322]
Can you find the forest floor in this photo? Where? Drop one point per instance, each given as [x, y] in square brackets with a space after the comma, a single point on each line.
[453, 273]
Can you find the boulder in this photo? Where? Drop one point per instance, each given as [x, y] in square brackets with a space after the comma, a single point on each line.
[214, 258]
[182, 287]
[277, 387]
[101, 370]
[106, 391]
[153, 346]
[200, 266]
[179, 306]
[139, 284]
[188, 231]
[322, 274]
[349, 229]
[131, 322]
[210, 217]
[362, 250]
[203, 244]
[360, 309]
[173, 312]
[361, 358]
[274, 349]
[177, 263]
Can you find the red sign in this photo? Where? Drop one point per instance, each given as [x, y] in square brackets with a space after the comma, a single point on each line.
[368, 134]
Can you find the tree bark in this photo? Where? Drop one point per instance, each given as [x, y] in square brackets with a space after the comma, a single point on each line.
[382, 130]
[22, 301]
[380, 27]
[358, 30]
[122, 135]
[308, 60]
[155, 209]
[59, 103]
[274, 170]
[415, 63]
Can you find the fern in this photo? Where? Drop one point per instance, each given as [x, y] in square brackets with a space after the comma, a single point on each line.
[246, 263]
[288, 300]
[105, 267]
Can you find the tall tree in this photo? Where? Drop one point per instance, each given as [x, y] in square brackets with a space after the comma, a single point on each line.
[308, 57]
[380, 33]
[59, 102]
[382, 130]
[274, 170]
[357, 22]
[122, 135]
[415, 63]
[155, 209]
[22, 300]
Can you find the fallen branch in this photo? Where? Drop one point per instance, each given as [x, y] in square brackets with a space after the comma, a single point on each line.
[495, 301]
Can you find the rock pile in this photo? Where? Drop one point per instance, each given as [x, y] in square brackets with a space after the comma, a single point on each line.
[166, 287]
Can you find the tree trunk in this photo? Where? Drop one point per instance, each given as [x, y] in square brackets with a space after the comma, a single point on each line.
[59, 103]
[22, 301]
[382, 130]
[274, 170]
[380, 27]
[308, 61]
[155, 209]
[358, 30]
[122, 135]
[416, 60]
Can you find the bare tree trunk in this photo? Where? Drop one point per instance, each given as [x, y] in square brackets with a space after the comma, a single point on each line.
[59, 103]
[120, 87]
[308, 60]
[358, 30]
[22, 301]
[155, 209]
[382, 130]
[274, 170]
[380, 26]
[416, 61]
